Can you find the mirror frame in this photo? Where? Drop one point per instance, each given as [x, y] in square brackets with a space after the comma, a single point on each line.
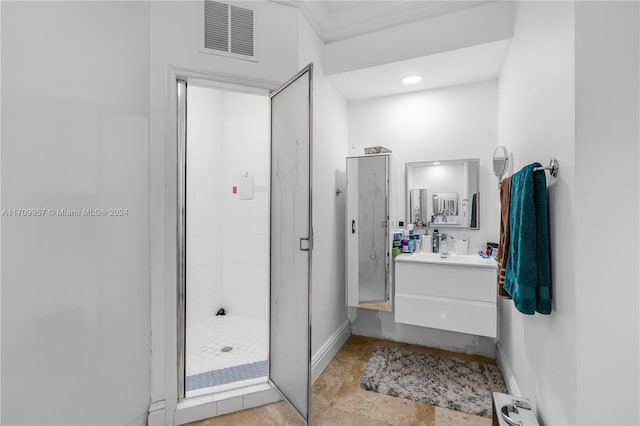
[407, 192]
[504, 150]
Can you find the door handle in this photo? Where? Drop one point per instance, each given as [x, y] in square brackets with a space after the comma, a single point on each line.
[308, 244]
[353, 226]
[510, 408]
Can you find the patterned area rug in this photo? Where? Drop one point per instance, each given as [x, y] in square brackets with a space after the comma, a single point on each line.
[446, 382]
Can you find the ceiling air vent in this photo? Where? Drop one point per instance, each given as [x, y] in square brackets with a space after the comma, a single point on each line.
[228, 30]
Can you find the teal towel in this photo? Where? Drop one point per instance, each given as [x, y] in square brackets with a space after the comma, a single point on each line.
[528, 275]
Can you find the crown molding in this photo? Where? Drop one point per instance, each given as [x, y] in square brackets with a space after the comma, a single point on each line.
[316, 13]
[361, 17]
[290, 3]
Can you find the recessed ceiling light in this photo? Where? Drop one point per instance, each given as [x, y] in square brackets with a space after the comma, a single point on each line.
[435, 163]
[412, 79]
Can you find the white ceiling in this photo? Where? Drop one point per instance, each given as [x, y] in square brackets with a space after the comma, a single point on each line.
[336, 20]
[477, 63]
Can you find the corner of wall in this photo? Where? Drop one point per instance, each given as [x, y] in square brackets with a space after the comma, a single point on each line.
[536, 98]
[330, 134]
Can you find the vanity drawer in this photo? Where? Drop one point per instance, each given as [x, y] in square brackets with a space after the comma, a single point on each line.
[465, 316]
[459, 282]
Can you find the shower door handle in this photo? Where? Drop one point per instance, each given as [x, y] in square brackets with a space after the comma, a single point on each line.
[308, 247]
[353, 226]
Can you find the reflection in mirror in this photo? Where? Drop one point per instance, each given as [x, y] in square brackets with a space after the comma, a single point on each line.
[445, 205]
[418, 204]
[444, 193]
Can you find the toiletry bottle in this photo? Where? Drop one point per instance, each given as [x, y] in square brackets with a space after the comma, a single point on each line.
[436, 241]
[418, 241]
[444, 246]
[412, 244]
[405, 247]
[397, 239]
[426, 243]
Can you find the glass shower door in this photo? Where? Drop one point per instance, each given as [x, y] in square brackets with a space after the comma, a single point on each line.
[291, 242]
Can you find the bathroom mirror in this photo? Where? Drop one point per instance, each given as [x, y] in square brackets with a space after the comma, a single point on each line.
[500, 161]
[443, 193]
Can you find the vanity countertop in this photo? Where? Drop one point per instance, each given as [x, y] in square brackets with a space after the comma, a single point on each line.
[452, 259]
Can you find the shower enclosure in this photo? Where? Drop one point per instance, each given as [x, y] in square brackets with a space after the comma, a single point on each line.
[227, 238]
[244, 238]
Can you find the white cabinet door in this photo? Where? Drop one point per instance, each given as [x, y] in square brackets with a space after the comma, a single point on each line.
[367, 229]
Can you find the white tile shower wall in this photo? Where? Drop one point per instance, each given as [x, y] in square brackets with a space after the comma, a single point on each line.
[204, 213]
[245, 223]
[227, 238]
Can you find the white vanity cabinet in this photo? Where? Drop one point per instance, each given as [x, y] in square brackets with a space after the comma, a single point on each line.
[457, 293]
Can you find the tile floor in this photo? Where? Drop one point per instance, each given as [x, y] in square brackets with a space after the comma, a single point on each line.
[337, 398]
[247, 336]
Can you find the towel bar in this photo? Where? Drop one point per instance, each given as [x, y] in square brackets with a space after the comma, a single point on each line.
[552, 167]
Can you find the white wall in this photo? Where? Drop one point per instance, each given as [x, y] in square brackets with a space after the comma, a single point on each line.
[75, 290]
[329, 312]
[569, 89]
[536, 122]
[607, 55]
[445, 124]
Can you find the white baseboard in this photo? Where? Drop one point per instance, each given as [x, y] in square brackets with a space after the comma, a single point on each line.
[507, 372]
[156, 415]
[329, 349]
[510, 379]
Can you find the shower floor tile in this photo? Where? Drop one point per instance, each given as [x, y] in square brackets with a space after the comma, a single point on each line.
[205, 340]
